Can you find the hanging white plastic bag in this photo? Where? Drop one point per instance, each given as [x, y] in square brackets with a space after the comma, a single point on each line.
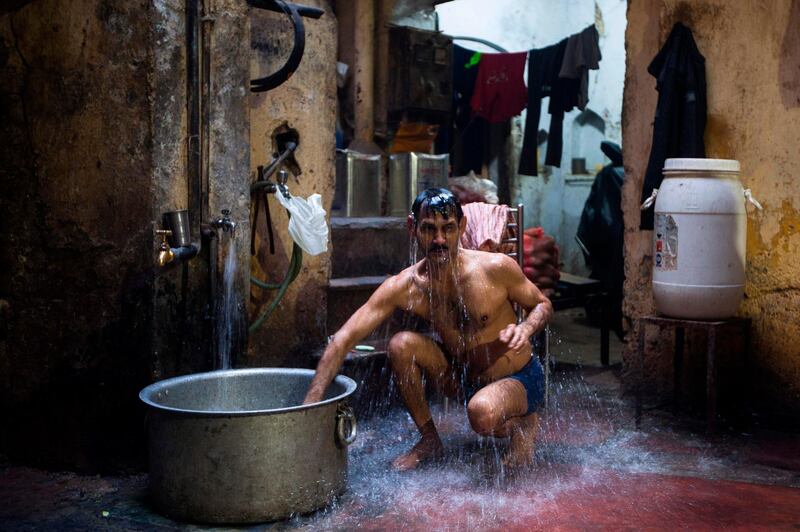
[307, 224]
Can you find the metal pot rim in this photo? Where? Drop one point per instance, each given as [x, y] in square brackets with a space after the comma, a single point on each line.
[149, 391]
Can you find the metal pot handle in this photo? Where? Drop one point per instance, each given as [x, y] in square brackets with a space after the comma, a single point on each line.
[346, 426]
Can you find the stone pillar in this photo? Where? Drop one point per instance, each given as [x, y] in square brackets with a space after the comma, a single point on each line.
[229, 129]
[364, 69]
[307, 103]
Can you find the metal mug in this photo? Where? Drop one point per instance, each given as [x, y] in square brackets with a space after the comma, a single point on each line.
[178, 223]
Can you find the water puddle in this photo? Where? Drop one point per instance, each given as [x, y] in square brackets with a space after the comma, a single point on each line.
[469, 488]
[587, 452]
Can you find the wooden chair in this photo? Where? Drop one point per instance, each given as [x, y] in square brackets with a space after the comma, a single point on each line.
[516, 227]
[512, 244]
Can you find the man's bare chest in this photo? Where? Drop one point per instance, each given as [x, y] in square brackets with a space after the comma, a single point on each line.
[466, 310]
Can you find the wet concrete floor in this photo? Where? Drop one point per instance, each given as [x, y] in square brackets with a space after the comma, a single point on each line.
[592, 470]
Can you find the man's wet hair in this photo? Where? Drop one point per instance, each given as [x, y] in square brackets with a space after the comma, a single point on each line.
[437, 200]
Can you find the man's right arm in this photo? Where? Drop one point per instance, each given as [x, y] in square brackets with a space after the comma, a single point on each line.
[379, 307]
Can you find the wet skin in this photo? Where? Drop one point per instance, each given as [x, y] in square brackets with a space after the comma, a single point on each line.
[467, 297]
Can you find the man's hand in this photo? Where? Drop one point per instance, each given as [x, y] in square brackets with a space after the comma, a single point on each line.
[517, 336]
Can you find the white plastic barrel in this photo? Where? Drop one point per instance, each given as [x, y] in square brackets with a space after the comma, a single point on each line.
[699, 239]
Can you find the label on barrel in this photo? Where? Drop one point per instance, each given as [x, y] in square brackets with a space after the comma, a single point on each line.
[665, 254]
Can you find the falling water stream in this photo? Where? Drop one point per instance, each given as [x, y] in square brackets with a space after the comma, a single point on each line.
[227, 314]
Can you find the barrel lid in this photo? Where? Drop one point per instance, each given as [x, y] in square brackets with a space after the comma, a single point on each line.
[701, 165]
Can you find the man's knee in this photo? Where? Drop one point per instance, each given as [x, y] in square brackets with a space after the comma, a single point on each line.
[484, 416]
[402, 347]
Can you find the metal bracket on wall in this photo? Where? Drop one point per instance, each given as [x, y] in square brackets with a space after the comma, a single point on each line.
[295, 12]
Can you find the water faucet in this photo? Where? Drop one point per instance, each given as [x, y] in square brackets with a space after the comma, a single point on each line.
[283, 177]
[165, 253]
[225, 223]
[179, 247]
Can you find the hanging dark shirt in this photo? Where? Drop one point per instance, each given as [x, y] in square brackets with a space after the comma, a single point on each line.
[470, 131]
[581, 55]
[463, 85]
[680, 119]
[544, 65]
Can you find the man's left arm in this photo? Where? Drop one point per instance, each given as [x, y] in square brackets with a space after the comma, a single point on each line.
[523, 292]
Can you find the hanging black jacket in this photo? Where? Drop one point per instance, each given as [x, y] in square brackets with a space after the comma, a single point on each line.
[601, 232]
[680, 119]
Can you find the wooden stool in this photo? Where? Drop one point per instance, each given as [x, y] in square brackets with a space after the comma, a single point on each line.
[711, 328]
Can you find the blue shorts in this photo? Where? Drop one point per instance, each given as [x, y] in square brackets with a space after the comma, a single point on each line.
[532, 379]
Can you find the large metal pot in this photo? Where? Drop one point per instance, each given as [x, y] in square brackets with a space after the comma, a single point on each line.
[238, 446]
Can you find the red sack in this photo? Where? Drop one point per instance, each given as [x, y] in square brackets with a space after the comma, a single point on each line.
[540, 258]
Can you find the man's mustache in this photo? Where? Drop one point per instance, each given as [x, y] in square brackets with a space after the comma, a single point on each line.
[434, 248]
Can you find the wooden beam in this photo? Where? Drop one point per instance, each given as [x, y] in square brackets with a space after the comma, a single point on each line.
[364, 69]
[383, 16]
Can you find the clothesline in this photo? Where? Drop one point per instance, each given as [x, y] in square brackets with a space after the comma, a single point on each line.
[497, 91]
[490, 44]
[496, 47]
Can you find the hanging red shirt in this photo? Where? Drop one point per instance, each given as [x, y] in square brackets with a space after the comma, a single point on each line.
[500, 91]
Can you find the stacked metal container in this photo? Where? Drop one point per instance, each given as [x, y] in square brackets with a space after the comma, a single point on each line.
[410, 174]
[359, 177]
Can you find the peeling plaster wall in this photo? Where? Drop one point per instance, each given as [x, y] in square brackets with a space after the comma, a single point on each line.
[752, 52]
[185, 325]
[307, 101]
[94, 148]
[229, 153]
[76, 166]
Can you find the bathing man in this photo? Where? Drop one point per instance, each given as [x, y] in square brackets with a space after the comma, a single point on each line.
[478, 353]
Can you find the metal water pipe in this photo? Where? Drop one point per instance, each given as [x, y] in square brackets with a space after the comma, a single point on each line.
[186, 225]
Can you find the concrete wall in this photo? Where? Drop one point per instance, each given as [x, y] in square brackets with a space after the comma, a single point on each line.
[307, 101]
[185, 327]
[93, 150]
[556, 197]
[752, 52]
[229, 158]
[76, 198]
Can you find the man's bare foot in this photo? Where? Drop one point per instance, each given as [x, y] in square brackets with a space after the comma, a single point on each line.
[523, 442]
[428, 447]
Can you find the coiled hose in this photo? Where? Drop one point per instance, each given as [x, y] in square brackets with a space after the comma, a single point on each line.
[295, 263]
